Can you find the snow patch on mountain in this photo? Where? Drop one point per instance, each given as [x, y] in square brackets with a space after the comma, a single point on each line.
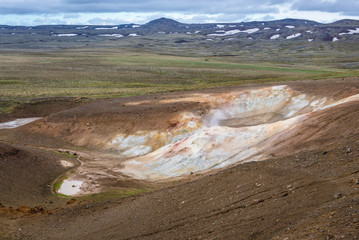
[79, 28]
[106, 28]
[294, 36]
[66, 35]
[233, 32]
[274, 37]
[351, 32]
[111, 35]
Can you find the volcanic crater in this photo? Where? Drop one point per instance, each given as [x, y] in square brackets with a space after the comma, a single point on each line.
[170, 137]
[275, 161]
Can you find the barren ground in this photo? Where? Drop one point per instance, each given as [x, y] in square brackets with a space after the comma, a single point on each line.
[304, 184]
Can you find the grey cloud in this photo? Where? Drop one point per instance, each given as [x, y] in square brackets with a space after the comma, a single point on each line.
[268, 18]
[349, 7]
[31, 6]
[48, 20]
[228, 17]
[95, 6]
[106, 21]
[71, 15]
[197, 7]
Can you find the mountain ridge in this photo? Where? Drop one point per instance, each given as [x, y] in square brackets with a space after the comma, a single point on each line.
[288, 29]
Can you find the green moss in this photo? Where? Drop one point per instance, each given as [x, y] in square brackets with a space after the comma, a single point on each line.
[57, 184]
[66, 154]
[59, 195]
[113, 194]
[10, 82]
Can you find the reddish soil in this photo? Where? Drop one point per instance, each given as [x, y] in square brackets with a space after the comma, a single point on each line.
[309, 189]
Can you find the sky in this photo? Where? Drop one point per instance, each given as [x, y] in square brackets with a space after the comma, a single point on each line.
[112, 12]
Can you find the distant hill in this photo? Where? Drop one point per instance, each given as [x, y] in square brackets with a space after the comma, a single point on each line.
[277, 30]
[162, 22]
[346, 22]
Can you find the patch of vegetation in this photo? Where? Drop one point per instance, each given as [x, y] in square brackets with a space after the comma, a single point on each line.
[66, 154]
[113, 194]
[60, 195]
[7, 107]
[3, 82]
[106, 73]
[198, 63]
[58, 183]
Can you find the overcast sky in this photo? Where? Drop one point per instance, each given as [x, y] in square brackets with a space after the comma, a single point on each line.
[39, 12]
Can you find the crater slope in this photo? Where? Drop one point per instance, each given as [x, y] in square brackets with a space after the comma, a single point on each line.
[267, 162]
[160, 138]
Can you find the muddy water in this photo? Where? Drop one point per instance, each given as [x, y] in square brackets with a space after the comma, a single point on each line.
[70, 187]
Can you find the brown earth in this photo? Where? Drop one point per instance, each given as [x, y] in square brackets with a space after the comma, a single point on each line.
[309, 189]
[40, 107]
[26, 175]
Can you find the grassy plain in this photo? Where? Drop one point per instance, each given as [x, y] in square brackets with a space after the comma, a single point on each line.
[116, 72]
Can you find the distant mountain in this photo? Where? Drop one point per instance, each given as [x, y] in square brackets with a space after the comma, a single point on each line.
[163, 22]
[290, 21]
[346, 22]
[163, 25]
[277, 30]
